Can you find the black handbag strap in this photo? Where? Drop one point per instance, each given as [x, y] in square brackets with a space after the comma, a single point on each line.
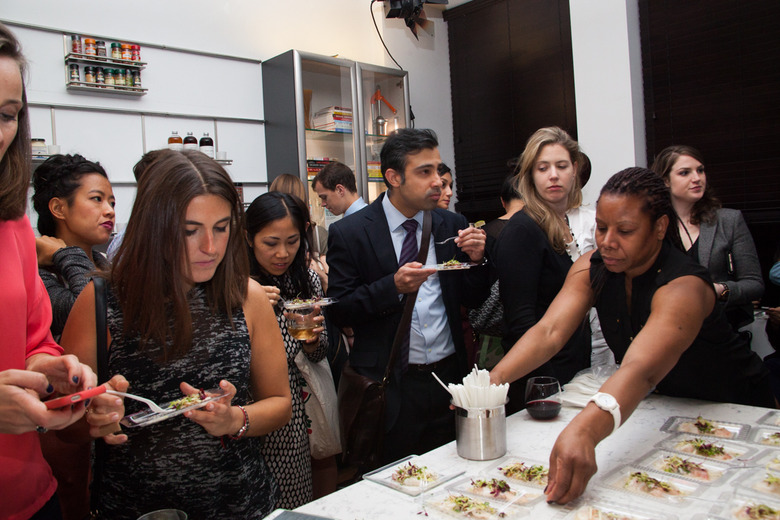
[406, 317]
[101, 330]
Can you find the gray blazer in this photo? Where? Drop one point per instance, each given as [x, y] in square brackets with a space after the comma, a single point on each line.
[728, 236]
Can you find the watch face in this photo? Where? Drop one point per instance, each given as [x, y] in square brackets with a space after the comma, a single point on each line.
[606, 401]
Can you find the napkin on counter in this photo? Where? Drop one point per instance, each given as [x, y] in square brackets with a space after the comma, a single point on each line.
[581, 388]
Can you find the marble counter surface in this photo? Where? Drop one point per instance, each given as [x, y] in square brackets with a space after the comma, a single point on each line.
[532, 439]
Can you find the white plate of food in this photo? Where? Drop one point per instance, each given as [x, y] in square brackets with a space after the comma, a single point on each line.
[495, 489]
[687, 466]
[450, 265]
[706, 426]
[714, 449]
[647, 483]
[173, 408]
[411, 475]
[766, 437]
[458, 505]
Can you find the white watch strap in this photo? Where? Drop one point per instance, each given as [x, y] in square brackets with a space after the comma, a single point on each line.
[615, 411]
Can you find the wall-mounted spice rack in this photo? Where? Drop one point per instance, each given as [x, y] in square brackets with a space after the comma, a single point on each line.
[88, 71]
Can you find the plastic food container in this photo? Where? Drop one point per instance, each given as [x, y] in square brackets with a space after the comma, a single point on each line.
[412, 486]
[521, 470]
[708, 472]
[738, 506]
[455, 505]
[655, 486]
[733, 453]
[588, 508]
[766, 437]
[721, 429]
[481, 487]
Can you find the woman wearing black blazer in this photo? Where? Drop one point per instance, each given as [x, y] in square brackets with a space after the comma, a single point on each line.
[717, 238]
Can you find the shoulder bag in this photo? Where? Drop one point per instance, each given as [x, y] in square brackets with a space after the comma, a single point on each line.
[362, 399]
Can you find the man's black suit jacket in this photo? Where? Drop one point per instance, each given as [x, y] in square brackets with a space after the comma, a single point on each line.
[362, 263]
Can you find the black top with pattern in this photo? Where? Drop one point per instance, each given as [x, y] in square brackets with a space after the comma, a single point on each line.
[718, 366]
[176, 463]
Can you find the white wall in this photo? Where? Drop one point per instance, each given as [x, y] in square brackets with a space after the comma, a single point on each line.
[608, 87]
[261, 29]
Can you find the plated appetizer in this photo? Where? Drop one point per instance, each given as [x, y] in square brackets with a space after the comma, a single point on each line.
[704, 426]
[641, 482]
[769, 484]
[771, 439]
[187, 400]
[467, 507]
[493, 488]
[594, 513]
[532, 474]
[687, 468]
[753, 511]
[703, 448]
[413, 475]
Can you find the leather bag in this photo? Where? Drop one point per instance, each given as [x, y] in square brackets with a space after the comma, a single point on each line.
[362, 400]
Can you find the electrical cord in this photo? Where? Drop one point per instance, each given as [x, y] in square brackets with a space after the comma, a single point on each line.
[373, 18]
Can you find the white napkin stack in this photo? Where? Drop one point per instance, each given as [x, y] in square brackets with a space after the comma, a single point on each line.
[477, 392]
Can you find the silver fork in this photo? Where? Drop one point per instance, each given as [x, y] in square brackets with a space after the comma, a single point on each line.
[478, 225]
[151, 404]
[445, 241]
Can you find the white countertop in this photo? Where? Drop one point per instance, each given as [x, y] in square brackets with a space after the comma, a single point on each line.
[532, 439]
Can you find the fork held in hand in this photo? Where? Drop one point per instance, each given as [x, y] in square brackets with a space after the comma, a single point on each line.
[477, 225]
[445, 241]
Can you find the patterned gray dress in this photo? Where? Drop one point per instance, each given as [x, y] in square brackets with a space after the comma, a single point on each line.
[176, 463]
[286, 450]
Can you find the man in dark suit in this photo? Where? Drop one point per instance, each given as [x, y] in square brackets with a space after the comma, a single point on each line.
[364, 250]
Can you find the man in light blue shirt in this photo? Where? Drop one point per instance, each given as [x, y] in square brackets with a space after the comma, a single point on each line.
[335, 185]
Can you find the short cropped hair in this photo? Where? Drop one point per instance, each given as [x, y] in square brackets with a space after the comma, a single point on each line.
[402, 143]
[333, 174]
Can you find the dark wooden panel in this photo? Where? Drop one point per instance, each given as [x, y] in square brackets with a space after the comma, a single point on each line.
[511, 72]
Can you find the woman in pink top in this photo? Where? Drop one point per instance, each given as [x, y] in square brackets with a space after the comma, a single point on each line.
[31, 364]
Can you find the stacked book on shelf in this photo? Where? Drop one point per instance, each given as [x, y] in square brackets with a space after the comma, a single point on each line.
[315, 164]
[333, 119]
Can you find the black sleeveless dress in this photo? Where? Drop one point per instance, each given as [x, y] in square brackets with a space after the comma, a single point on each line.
[718, 366]
[176, 463]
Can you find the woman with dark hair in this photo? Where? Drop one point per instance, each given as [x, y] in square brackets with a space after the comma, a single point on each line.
[75, 206]
[182, 315]
[658, 314]
[447, 185]
[276, 225]
[31, 364]
[715, 237]
[533, 253]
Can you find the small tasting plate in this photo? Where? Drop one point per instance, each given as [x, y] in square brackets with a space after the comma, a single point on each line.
[589, 508]
[312, 302]
[442, 505]
[147, 416]
[735, 453]
[770, 418]
[717, 472]
[412, 487]
[517, 495]
[450, 267]
[500, 470]
[620, 478]
[766, 437]
[760, 481]
[720, 429]
[741, 501]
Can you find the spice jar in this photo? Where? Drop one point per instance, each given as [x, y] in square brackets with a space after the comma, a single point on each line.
[100, 47]
[135, 52]
[109, 77]
[75, 75]
[75, 44]
[100, 78]
[89, 74]
[89, 47]
[190, 142]
[116, 51]
[137, 78]
[207, 145]
[126, 51]
[119, 77]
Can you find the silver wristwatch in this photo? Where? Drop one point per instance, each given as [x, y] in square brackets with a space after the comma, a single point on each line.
[609, 404]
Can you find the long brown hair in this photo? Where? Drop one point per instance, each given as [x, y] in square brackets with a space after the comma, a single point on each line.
[149, 273]
[15, 166]
[705, 208]
[535, 206]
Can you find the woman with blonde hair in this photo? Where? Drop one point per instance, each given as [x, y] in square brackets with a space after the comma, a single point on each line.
[535, 249]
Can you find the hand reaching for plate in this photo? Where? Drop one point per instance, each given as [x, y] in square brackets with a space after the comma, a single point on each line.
[217, 417]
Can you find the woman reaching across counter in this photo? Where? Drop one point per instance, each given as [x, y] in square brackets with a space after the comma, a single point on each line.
[183, 314]
[715, 237]
[658, 314]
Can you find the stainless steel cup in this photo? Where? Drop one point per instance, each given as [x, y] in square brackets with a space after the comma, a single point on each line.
[480, 433]
[164, 514]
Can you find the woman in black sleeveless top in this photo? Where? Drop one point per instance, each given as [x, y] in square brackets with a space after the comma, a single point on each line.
[658, 314]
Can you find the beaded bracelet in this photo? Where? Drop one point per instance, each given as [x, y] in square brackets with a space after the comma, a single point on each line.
[242, 431]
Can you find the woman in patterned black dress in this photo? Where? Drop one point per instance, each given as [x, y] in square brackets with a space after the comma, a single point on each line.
[183, 314]
[276, 231]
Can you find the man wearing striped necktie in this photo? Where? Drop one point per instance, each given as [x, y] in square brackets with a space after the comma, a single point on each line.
[373, 266]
